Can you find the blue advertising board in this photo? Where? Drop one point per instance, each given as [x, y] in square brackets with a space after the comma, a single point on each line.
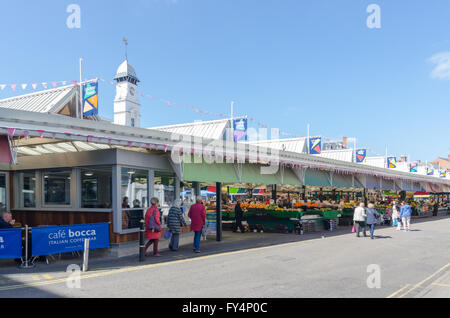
[10, 243]
[68, 238]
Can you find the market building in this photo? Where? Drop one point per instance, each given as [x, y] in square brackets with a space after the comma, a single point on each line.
[57, 167]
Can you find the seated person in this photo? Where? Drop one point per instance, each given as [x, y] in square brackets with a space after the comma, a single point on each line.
[6, 220]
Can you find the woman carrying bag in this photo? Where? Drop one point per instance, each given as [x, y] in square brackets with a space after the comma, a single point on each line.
[153, 227]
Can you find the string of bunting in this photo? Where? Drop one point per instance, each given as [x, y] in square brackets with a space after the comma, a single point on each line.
[17, 132]
[55, 84]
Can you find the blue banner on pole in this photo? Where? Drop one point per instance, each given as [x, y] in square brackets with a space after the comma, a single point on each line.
[10, 243]
[68, 238]
[361, 155]
[90, 99]
[240, 129]
[315, 146]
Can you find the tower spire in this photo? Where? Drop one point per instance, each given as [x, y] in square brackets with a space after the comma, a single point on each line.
[125, 40]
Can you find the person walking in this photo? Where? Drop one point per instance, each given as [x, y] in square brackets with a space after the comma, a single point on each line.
[372, 217]
[174, 221]
[405, 214]
[197, 214]
[238, 217]
[359, 219]
[396, 215]
[152, 234]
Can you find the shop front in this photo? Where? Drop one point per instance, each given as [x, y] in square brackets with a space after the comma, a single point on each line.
[110, 185]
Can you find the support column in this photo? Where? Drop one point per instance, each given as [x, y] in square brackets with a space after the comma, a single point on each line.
[218, 211]
[274, 192]
[365, 197]
[304, 193]
[196, 188]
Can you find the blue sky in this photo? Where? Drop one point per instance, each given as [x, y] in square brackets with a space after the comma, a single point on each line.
[286, 63]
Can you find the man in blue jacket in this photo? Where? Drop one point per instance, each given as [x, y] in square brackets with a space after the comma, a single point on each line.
[405, 215]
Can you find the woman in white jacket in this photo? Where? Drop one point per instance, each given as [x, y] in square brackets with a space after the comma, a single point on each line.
[396, 215]
[359, 219]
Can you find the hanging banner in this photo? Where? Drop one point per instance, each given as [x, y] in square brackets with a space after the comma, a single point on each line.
[391, 162]
[90, 99]
[240, 129]
[10, 243]
[68, 238]
[413, 167]
[315, 146]
[430, 171]
[361, 155]
[443, 174]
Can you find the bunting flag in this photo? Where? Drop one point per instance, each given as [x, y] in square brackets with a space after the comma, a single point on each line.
[24, 86]
[361, 155]
[11, 132]
[391, 162]
[315, 146]
[13, 86]
[413, 167]
[2, 86]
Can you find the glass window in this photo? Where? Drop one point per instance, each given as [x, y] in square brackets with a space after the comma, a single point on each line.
[28, 190]
[134, 194]
[2, 192]
[165, 188]
[96, 187]
[57, 187]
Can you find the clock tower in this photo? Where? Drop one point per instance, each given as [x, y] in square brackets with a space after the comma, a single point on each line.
[127, 109]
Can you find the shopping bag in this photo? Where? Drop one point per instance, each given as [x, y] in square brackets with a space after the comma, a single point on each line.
[167, 234]
[353, 229]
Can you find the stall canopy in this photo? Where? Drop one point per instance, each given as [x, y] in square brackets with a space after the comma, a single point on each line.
[233, 173]
[318, 178]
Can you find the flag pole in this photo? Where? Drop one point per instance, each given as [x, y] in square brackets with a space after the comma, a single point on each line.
[81, 89]
[307, 145]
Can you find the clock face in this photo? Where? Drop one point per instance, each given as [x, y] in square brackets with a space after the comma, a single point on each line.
[132, 91]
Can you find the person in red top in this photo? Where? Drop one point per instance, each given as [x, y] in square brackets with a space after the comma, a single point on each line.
[150, 234]
[197, 214]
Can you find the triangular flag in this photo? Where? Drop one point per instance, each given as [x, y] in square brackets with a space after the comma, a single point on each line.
[2, 86]
[64, 82]
[13, 86]
[41, 133]
[24, 86]
[11, 132]
[74, 83]
[25, 134]
[44, 84]
[55, 84]
[34, 85]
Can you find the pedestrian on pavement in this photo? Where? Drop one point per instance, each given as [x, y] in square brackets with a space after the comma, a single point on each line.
[238, 216]
[372, 217]
[359, 219]
[405, 214]
[435, 209]
[153, 234]
[396, 215]
[197, 214]
[174, 221]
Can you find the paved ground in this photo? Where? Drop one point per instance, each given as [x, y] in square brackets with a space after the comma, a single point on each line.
[411, 264]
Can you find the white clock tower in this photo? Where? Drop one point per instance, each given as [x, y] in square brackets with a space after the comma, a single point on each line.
[127, 109]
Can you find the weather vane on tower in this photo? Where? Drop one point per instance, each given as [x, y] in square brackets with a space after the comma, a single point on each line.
[125, 40]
